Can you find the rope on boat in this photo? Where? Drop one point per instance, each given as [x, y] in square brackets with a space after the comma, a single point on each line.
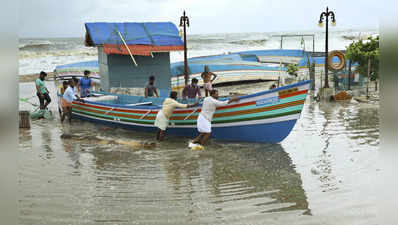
[142, 117]
[109, 110]
[191, 114]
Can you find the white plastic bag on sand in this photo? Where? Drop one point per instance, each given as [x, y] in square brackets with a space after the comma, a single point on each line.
[194, 146]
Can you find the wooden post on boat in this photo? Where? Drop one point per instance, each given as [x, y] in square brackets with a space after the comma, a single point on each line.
[128, 49]
[24, 119]
[280, 69]
[184, 22]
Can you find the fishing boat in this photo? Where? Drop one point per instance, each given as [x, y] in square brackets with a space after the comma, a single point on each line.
[131, 52]
[267, 116]
[68, 71]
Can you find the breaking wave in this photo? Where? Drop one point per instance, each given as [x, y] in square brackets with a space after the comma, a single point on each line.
[44, 54]
[249, 42]
[57, 53]
[35, 45]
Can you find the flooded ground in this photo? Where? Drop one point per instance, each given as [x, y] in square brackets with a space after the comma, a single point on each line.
[322, 173]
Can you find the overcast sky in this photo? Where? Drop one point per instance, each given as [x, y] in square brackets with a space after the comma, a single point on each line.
[54, 18]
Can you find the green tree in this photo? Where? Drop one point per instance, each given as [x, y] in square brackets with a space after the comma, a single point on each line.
[360, 52]
[292, 69]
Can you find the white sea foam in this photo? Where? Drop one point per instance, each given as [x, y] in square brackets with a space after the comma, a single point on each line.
[45, 54]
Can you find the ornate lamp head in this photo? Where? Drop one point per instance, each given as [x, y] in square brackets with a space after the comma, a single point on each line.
[320, 23]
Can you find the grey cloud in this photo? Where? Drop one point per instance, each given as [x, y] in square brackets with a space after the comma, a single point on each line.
[51, 18]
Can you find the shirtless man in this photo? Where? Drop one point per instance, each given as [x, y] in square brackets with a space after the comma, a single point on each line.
[206, 76]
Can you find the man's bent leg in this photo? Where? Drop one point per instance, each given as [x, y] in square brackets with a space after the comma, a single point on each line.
[48, 99]
[69, 110]
[197, 139]
[158, 134]
[205, 138]
[63, 113]
[41, 100]
[161, 135]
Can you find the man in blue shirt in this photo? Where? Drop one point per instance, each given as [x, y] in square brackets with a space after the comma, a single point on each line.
[85, 84]
[42, 91]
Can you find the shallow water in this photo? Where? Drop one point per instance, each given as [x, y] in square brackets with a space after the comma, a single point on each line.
[320, 174]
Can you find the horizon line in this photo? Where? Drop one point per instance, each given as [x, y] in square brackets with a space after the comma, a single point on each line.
[231, 32]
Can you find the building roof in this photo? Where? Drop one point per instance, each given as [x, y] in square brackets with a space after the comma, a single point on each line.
[141, 38]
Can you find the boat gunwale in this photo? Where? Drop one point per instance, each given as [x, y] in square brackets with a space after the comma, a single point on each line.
[154, 107]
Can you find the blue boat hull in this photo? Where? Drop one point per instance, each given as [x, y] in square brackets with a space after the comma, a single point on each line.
[263, 133]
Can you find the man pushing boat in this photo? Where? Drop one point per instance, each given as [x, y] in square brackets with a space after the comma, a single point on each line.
[163, 116]
[206, 115]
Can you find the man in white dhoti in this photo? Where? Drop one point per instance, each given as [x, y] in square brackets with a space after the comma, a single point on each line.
[206, 115]
[163, 116]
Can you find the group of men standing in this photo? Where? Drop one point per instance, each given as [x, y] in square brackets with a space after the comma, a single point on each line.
[190, 91]
[69, 92]
[193, 90]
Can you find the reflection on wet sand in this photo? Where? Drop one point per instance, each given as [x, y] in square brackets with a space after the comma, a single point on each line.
[340, 121]
[168, 181]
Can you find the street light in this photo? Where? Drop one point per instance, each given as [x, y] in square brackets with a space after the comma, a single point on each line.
[320, 23]
[184, 22]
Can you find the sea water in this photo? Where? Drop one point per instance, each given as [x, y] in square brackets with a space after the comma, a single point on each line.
[46, 53]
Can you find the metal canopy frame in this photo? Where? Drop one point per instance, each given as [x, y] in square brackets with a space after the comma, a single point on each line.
[297, 35]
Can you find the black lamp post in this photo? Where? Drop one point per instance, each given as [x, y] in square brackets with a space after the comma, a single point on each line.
[327, 14]
[184, 22]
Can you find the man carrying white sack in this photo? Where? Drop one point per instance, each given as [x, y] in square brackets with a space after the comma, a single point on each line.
[163, 116]
[206, 115]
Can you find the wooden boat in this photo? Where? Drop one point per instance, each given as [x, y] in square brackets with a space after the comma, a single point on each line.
[267, 116]
[342, 96]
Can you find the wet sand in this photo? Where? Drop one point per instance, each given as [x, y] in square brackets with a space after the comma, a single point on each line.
[322, 173]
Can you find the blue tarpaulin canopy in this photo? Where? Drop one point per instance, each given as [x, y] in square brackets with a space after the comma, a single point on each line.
[156, 34]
